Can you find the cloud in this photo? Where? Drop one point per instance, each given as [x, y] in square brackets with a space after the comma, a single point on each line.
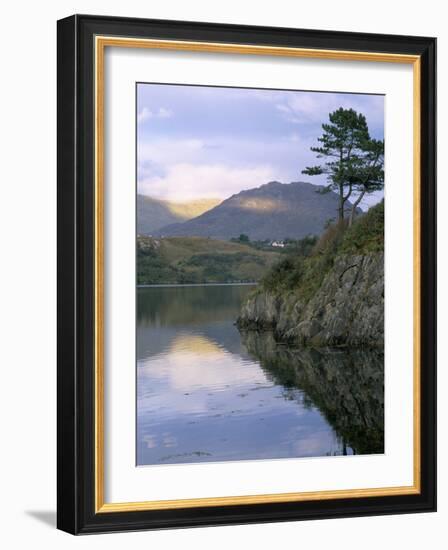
[310, 108]
[146, 114]
[223, 140]
[182, 181]
[167, 151]
[143, 115]
[283, 154]
[164, 113]
[196, 168]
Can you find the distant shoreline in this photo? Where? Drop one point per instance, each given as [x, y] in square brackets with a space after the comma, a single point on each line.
[195, 284]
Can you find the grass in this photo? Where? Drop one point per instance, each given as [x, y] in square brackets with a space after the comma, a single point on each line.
[300, 269]
[199, 260]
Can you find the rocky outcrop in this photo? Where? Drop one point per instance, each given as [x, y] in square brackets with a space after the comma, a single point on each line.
[347, 309]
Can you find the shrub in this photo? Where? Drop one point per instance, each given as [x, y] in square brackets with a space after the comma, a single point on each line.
[286, 274]
[367, 234]
[331, 238]
[304, 274]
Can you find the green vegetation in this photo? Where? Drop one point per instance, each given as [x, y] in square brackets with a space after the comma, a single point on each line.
[243, 238]
[367, 234]
[184, 260]
[303, 271]
[299, 246]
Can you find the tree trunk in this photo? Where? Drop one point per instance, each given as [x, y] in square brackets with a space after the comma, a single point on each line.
[354, 206]
[341, 202]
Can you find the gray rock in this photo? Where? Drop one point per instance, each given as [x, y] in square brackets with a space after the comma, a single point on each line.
[347, 309]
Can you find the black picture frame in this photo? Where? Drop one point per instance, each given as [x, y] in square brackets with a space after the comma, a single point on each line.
[76, 286]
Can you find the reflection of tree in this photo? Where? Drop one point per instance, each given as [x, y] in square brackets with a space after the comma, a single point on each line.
[347, 386]
[189, 305]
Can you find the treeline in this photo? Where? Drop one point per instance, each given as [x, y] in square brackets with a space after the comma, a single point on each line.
[284, 246]
[195, 260]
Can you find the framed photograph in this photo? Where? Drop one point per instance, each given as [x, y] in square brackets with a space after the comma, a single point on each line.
[246, 274]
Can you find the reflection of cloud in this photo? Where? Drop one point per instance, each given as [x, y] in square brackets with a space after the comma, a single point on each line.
[193, 360]
[150, 441]
[169, 440]
[314, 444]
[194, 343]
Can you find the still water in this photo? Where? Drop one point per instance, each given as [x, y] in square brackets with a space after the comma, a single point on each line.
[207, 393]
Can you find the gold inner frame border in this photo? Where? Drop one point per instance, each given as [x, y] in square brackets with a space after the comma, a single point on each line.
[100, 44]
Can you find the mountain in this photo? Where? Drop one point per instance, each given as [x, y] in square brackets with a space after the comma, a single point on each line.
[273, 211]
[152, 214]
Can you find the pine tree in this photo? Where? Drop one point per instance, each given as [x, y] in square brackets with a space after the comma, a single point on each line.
[369, 174]
[354, 161]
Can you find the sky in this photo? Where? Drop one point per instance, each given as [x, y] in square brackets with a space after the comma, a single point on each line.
[212, 142]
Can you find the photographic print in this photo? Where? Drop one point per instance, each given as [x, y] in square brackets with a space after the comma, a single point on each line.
[246, 274]
[260, 274]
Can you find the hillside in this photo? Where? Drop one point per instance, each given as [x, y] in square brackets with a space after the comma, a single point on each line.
[178, 260]
[272, 211]
[334, 296]
[152, 214]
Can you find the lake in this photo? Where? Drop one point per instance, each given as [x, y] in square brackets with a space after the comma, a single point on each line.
[206, 392]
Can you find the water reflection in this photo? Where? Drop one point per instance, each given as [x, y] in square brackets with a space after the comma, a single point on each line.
[346, 385]
[206, 393]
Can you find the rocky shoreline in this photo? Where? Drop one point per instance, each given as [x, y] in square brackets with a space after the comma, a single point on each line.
[346, 310]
